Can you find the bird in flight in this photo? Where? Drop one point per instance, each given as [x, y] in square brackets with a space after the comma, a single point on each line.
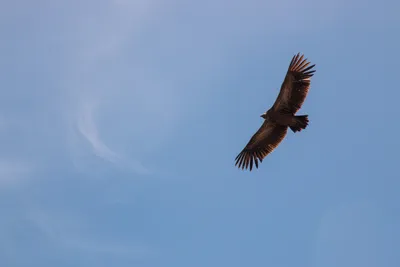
[281, 115]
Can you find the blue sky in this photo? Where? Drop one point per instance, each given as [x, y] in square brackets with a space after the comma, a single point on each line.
[120, 121]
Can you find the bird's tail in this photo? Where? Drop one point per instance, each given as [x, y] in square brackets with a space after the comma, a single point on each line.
[299, 123]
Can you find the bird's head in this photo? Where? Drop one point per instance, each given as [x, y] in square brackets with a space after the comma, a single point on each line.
[264, 115]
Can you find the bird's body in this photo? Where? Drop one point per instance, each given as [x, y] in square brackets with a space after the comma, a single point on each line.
[281, 115]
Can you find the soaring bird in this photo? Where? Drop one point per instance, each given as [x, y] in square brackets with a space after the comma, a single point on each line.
[281, 115]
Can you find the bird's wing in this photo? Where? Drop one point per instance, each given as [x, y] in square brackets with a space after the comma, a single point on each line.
[295, 86]
[262, 143]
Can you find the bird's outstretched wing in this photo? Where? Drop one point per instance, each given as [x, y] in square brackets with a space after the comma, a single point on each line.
[295, 86]
[262, 143]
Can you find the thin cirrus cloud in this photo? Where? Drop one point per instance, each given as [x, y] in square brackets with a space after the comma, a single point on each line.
[146, 80]
[132, 71]
[87, 130]
[146, 71]
[123, 77]
[97, 42]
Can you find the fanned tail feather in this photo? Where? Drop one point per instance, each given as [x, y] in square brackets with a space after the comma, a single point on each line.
[299, 123]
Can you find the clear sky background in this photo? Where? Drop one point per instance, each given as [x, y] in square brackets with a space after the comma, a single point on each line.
[120, 121]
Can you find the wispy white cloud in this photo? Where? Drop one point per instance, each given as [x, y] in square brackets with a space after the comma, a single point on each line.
[99, 41]
[134, 71]
[87, 127]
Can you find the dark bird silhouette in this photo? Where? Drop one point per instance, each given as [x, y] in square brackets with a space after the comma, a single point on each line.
[281, 115]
